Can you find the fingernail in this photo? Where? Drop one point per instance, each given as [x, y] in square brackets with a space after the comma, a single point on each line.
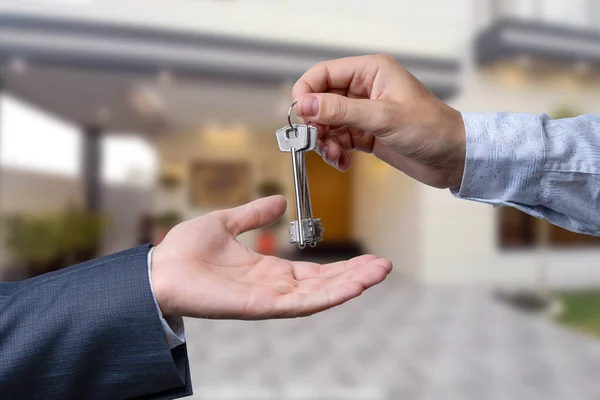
[308, 106]
[324, 151]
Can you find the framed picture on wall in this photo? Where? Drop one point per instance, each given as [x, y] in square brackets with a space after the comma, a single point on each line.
[218, 184]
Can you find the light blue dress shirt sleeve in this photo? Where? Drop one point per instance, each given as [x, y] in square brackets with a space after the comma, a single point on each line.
[173, 327]
[547, 168]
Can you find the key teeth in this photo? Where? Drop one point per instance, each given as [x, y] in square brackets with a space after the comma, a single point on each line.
[312, 229]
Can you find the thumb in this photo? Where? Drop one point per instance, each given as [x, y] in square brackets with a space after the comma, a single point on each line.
[334, 109]
[253, 215]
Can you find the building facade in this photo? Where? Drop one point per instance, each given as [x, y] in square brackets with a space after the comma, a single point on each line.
[233, 64]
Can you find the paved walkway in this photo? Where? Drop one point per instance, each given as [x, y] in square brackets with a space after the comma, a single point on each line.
[396, 342]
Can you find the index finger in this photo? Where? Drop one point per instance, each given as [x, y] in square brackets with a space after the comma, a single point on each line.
[343, 73]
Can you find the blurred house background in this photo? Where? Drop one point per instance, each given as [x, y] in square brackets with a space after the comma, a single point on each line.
[136, 109]
[153, 112]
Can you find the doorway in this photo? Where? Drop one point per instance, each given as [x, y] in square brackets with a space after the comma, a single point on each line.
[331, 197]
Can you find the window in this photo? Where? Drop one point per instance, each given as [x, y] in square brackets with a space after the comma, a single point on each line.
[35, 140]
[128, 160]
[518, 230]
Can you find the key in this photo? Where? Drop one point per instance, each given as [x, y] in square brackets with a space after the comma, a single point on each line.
[298, 139]
[302, 137]
[312, 231]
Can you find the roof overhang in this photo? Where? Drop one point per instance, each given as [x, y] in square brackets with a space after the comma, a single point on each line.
[509, 39]
[136, 51]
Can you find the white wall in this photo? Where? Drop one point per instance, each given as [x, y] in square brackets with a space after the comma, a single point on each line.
[386, 212]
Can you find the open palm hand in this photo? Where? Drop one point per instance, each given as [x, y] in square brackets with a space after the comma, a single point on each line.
[201, 270]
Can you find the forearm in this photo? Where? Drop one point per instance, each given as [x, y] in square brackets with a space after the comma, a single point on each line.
[87, 331]
[547, 168]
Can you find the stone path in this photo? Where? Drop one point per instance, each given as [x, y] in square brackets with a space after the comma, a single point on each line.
[396, 342]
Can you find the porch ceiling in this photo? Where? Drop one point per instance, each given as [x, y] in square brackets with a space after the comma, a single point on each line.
[131, 78]
[510, 39]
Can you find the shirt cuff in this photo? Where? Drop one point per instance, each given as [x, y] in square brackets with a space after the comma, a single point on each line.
[504, 158]
[173, 327]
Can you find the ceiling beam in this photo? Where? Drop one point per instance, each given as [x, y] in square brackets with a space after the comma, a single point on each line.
[102, 46]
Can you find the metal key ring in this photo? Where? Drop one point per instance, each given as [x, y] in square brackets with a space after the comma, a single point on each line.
[290, 115]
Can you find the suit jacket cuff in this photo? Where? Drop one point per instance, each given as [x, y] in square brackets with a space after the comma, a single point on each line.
[89, 331]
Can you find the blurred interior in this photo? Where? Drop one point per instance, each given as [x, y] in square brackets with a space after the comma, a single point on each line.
[124, 117]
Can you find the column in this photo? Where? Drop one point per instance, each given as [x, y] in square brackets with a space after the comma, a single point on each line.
[92, 167]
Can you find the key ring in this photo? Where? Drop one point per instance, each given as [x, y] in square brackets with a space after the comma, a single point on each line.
[290, 115]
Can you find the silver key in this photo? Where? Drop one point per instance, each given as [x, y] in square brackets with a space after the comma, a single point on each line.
[298, 139]
[312, 231]
[302, 137]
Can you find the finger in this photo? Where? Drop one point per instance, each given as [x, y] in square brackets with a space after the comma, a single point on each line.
[333, 153]
[329, 149]
[323, 130]
[334, 110]
[253, 215]
[307, 270]
[341, 92]
[344, 162]
[367, 274]
[304, 304]
[355, 73]
[297, 304]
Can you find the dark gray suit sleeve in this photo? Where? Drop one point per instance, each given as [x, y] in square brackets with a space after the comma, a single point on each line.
[90, 331]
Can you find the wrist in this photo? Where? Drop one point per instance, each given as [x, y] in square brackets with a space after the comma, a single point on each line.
[160, 285]
[459, 139]
[449, 158]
